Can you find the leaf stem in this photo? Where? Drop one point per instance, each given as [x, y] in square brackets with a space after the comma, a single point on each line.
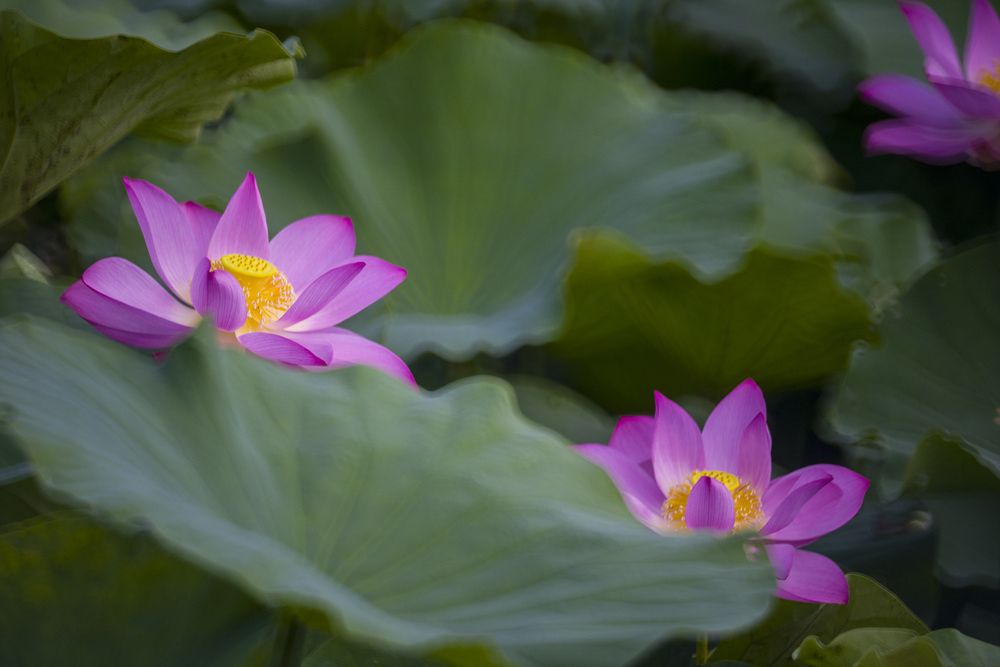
[289, 643]
[701, 649]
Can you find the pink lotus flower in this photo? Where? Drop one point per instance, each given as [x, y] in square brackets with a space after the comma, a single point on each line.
[676, 479]
[956, 118]
[280, 300]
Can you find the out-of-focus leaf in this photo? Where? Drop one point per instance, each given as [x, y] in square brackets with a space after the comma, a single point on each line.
[673, 337]
[400, 519]
[19, 294]
[20, 497]
[880, 243]
[65, 101]
[340, 653]
[19, 262]
[937, 366]
[634, 325]
[77, 593]
[883, 37]
[468, 156]
[773, 641]
[561, 409]
[90, 19]
[962, 496]
[798, 41]
[862, 646]
[898, 648]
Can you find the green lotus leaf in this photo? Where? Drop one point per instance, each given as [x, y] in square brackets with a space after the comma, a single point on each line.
[869, 647]
[561, 409]
[467, 156]
[77, 593]
[880, 242]
[961, 494]
[634, 325]
[65, 101]
[773, 641]
[797, 40]
[88, 19]
[937, 366]
[410, 521]
[884, 38]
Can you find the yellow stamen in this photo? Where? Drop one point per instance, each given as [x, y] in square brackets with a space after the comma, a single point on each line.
[749, 511]
[991, 78]
[268, 292]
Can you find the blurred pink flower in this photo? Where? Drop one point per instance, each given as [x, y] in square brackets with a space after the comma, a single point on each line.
[675, 478]
[957, 117]
[280, 300]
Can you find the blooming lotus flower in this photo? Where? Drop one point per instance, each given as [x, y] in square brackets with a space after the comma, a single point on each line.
[957, 117]
[279, 299]
[675, 478]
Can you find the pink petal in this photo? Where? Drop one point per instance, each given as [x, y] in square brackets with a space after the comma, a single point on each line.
[639, 491]
[308, 248]
[754, 455]
[377, 279]
[832, 507]
[633, 437]
[934, 40]
[220, 295]
[726, 424]
[242, 229]
[781, 557]
[122, 322]
[907, 97]
[970, 101]
[170, 239]
[677, 450]
[807, 486]
[277, 347]
[203, 222]
[710, 507]
[319, 294]
[935, 145]
[814, 578]
[982, 45]
[124, 282]
[349, 349]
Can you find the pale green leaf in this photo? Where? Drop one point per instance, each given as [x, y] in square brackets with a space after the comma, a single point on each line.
[414, 522]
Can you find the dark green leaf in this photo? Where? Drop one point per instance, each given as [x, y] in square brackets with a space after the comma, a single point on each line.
[634, 325]
[76, 593]
[937, 366]
[65, 101]
[773, 641]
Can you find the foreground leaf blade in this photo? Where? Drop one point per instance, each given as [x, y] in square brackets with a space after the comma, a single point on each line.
[405, 520]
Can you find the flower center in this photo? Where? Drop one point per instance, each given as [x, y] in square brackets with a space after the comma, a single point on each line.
[268, 292]
[749, 511]
[991, 78]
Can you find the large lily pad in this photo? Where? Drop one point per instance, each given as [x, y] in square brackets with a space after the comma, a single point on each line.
[65, 101]
[91, 19]
[75, 592]
[398, 518]
[634, 326]
[467, 156]
[937, 366]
